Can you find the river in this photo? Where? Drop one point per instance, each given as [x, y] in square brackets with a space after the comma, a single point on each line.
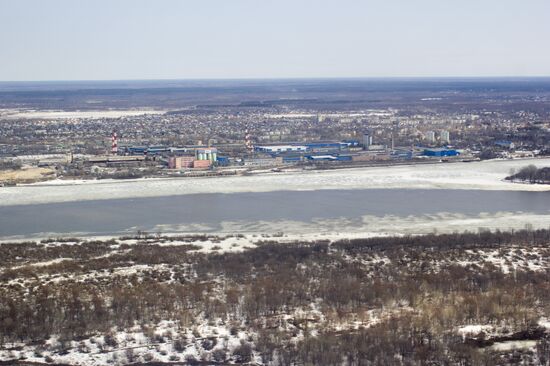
[308, 212]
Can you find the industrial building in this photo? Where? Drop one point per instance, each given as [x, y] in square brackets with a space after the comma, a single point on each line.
[440, 152]
[263, 161]
[367, 140]
[291, 159]
[179, 162]
[209, 154]
[202, 164]
[317, 146]
[135, 150]
[270, 149]
[332, 157]
[326, 146]
[368, 143]
[402, 154]
[352, 143]
[321, 157]
[222, 161]
[153, 150]
[371, 156]
[378, 148]
[110, 159]
[157, 150]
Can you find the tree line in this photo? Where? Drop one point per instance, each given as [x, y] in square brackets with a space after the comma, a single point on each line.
[532, 174]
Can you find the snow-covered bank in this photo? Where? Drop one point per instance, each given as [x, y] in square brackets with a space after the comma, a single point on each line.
[486, 175]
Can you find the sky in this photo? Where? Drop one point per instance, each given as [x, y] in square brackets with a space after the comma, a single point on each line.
[208, 39]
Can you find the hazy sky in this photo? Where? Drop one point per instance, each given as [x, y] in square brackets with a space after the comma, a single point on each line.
[159, 39]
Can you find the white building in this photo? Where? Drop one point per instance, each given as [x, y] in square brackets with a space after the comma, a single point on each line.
[430, 137]
[445, 137]
[280, 148]
[367, 140]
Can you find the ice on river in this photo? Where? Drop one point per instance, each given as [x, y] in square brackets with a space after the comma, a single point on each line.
[485, 175]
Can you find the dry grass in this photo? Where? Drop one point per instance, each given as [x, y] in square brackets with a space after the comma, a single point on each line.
[26, 175]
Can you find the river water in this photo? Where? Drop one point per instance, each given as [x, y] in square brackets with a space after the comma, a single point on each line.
[368, 210]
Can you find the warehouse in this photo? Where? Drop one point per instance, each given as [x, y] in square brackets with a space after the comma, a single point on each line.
[326, 146]
[179, 162]
[441, 152]
[321, 157]
[280, 148]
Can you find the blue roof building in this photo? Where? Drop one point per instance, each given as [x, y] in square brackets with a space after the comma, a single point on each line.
[441, 152]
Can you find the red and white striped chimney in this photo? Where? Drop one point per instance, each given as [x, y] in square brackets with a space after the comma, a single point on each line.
[248, 141]
[114, 144]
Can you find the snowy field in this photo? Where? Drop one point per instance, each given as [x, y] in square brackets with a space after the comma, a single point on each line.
[486, 175]
[55, 114]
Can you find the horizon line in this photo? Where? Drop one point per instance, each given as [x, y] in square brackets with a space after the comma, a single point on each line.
[282, 78]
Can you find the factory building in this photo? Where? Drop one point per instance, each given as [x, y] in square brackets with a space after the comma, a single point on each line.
[441, 152]
[223, 161]
[202, 164]
[321, 158]
[344, 158]
[110, 159]
[209, 154]
[136, 150]
[179, 150]
[402, 154]
[154, 150]
[280, 148]
[263, 161]
[179, 162]
[291, 159]
[331, 157]
[157, 150]
[318, 146]
[370, 156]
[368, 143]
[378, 148]
[326, 146]
[352, 143]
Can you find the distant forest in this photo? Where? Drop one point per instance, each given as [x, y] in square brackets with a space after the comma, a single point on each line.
[340, 94]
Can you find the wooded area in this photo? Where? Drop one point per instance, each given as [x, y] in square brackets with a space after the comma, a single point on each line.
[532, 174]
[395, 301]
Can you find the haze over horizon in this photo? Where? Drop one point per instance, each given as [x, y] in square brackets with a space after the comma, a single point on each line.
[246, 39]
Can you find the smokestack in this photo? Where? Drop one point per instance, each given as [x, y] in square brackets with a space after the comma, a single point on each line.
[248, 141]
[114, 144]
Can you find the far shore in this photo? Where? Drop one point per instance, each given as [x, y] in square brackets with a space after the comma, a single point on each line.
[244, 171]
[483, 175]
